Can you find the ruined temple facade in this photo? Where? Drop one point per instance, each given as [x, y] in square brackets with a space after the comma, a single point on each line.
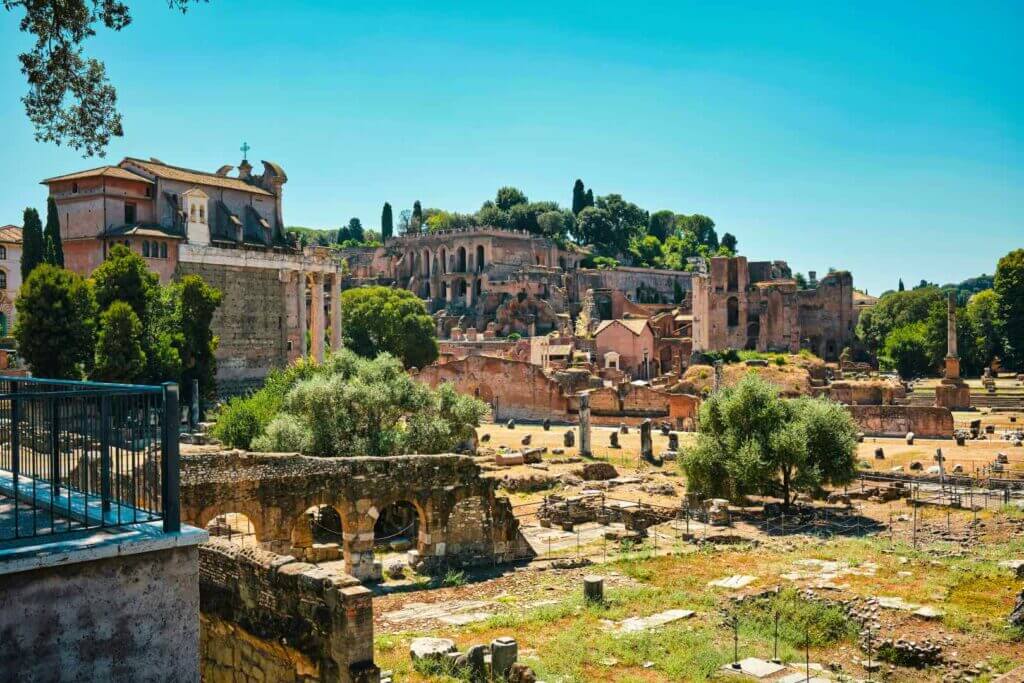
[227, 228]
[757, 305]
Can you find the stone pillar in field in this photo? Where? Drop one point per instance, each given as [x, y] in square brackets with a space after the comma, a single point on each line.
[952, 392]
[585, 425]
[646, 447]
[717, 384]
[504, 653]
[316, 314]
[336, 312]
[303, 325]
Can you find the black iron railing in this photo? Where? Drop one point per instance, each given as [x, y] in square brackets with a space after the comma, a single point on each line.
[85, 455]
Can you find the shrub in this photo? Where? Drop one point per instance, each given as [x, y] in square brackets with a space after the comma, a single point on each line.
[237, 424]
[284, 434]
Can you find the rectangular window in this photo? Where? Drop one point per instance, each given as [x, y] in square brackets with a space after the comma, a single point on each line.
[129, 214]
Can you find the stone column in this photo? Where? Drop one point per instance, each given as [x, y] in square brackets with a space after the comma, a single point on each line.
[646, 447]
[469, 293]
[336, 312]
[585, 425]
[952, 359]
[718, 377]
[316, 330]
[301, 276]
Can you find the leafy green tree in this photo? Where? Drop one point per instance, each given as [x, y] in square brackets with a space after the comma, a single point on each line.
[385, 320]
[628, 219]
[555, 224]
[358, 406]
[579, 197]
[729, 243]
[195, 303]
[32, 245]
[936, 325]
[801, 280]
[70, 101]
[490, 215]
[907, 350]
[438, 220]
[646, 251]
[752, 441]
[54, 248]
[343, 235]
[661, 224]
[56, 323]
[124, 276]
[588, 199]
[1009, 287]
[982, 324]
[507, 197]
[901, 287]
[355, 229]
[387, 227]
[680, 247]
[594, 226]
[119, 354]
[895, 309]
[701, 227]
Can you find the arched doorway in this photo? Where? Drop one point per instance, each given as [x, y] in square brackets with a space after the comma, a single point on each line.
[317, 535]
[460, 260]
[444, 261]
[426, 263]
[732, 307]
[479, 258]
[234, 527]
[398, 527]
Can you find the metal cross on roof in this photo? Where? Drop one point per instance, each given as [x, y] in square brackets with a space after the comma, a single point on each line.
[245, 151]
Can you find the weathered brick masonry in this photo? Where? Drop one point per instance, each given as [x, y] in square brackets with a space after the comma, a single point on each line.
[267, 617]
[924, 421]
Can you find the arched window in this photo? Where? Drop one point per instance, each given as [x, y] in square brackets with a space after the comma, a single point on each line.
[732, 307]
[460, 260]
[3, 253]
[479, 258]
[145, 249]
[163, 250]
[3, 279]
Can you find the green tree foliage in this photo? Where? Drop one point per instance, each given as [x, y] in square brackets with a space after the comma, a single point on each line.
[385, 320]
[981, 321]
[729, 243]
[350, 406]
[895, 309]
[556, 224]
[387, 228]
[416, 222]
[1009, 288]
[490, 215]
[647, 251]
[438, 220]
[194, 303]
[56, 323]
[907, 350]
[594, 226]
[54, 248]
[507, 197]
[70, 101]
[119, 354]
[661, 224]
[355, 229]
[579, 197]
[629, 221]
[124, 276]
[801, 280]
[901, 286]
[752, 441]
[33, 248]
[701, 227]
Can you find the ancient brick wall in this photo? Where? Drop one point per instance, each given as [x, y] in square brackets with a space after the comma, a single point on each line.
[517, 389]
[250, 322]
[924, 421]
[270, 617]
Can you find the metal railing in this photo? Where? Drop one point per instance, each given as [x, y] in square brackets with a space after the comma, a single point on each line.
[86, 455]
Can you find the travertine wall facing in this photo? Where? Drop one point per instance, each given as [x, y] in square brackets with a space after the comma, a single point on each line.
[924, 421]
[125, 618]
[268, 617]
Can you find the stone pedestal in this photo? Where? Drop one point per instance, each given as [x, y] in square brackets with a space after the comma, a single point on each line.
[953, 394]
[504, 653]
[593, 588]
[646, 447]
[585, 425]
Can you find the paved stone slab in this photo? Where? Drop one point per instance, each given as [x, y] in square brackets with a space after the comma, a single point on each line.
[755, 668]
[634, 624]
[734, 582]
[929, 613]
[802, 678]
[889, 602]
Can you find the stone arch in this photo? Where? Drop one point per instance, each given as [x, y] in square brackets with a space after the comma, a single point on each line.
[317, 535]
[479, 257]
[236, 527]
[425, 268]
[251, 511]
[399, 520]
[460, 260]
[444, 260]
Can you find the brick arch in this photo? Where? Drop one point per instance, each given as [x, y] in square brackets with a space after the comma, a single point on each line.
[206, 515]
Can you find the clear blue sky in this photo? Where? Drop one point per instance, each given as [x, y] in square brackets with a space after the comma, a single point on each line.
[887, 139]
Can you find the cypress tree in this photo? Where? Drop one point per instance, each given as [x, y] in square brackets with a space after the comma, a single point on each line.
[579, 197]
[32, 242]
[54, 247]
[901, 288]
[417, 216]
[387, 227]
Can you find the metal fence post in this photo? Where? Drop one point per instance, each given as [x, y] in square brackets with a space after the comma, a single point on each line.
[105, 452]
[195, 404]
[15, 444]
[55, 446]
[170, 502]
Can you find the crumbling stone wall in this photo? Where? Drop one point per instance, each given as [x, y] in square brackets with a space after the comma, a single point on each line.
[515, 389]
[925, 421]
[269, 617]
[274, 490]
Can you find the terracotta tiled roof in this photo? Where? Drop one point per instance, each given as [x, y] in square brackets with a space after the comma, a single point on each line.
[10, 233]
[108, 171]
[634, 325]
[187, 175]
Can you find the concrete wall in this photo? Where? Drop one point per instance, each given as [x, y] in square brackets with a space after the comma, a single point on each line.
[129, 618]
[925, 422]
